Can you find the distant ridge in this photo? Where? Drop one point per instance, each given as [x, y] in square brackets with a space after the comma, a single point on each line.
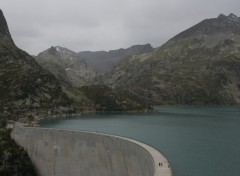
[102, 61]
[105, 61]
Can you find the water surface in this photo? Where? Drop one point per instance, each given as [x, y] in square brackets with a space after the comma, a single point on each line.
[198, 141]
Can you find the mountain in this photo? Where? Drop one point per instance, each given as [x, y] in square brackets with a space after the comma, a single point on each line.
[201, 65]
[83, 68]
[23, 83]
[104, 61]
[25, 86]
[66, 66]
[77, 82]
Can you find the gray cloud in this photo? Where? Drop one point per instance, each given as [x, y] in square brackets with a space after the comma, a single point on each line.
[105, 24]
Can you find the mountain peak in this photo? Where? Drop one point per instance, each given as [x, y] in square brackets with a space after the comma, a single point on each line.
[4, 32]
[52, 50]
[234, 17]
[64, 50]
[212, 30]
[231, 17]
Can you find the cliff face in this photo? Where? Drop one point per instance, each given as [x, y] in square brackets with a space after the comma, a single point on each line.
[23, 83]
[198, 66]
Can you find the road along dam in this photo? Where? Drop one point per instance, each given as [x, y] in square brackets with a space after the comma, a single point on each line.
[77, 153]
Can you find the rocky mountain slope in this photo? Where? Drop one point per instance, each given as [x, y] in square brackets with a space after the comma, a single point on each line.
[198, 66]
[104, 61]
[23, 83]
[78, 83]
[66, 66]
[83, 68]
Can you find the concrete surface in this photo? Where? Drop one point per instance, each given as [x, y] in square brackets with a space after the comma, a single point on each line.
[76, 153]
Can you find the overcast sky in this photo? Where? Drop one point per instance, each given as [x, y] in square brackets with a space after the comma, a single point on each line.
[93, 25]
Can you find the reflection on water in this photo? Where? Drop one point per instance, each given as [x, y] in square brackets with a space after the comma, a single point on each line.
[198, 141]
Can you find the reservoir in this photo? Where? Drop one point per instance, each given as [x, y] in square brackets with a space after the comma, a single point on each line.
[197, 141]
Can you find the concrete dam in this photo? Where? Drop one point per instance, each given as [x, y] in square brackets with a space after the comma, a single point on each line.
[76, 153]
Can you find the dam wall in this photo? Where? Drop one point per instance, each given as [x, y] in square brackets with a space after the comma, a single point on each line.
[75, 153]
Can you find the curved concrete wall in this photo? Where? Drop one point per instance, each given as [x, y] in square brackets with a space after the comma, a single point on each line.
[73, 153]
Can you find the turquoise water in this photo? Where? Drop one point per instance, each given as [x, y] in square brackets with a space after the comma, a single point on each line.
[198, 141]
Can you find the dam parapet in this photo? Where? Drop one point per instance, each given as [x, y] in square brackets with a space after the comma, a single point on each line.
[58, 152]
